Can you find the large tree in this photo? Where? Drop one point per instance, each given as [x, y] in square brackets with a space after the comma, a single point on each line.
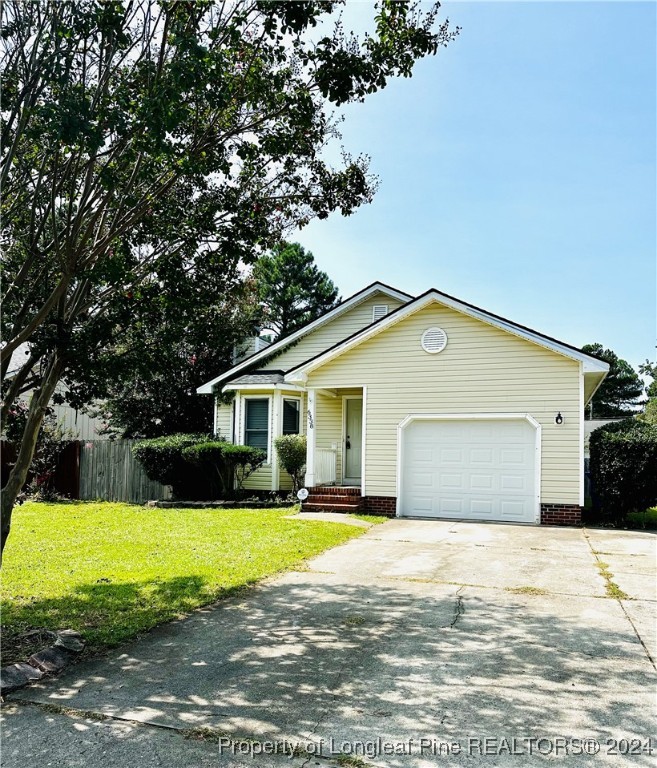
[183, 331]
[292, 289]
[621, 391]
[137, 131]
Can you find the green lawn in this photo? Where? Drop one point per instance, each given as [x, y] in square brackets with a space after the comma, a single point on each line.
[112, 571]
[374, 519]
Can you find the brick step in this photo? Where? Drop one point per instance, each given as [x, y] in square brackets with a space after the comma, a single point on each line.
[334, 490]
[346, 508]
[320, 498]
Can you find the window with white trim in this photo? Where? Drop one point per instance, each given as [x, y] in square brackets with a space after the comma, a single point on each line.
[256, 423]
[379, 311]
[291, 416]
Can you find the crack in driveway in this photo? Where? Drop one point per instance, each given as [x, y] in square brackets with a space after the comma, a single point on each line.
[606, 575]
[458, 608]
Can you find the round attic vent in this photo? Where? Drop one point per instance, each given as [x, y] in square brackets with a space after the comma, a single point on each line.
[434, 340]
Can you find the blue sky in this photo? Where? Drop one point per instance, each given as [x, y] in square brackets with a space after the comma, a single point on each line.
[517, 172]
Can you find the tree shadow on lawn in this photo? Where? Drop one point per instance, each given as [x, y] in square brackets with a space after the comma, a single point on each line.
[106, 613]
[309, 658]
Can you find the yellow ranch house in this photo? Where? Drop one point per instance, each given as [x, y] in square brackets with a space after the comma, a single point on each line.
[425, 407]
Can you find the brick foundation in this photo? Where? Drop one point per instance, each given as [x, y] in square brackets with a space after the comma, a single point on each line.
[561, 514]
[384, 506]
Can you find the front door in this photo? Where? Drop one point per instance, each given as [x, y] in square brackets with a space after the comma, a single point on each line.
[353, 424]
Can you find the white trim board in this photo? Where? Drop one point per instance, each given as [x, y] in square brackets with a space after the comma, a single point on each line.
[265, 388]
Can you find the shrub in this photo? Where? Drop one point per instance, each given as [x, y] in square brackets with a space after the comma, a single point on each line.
[291, 451]
[227, 464]
[241, 461]
[163, 461]
[624, 467]
[207, 457]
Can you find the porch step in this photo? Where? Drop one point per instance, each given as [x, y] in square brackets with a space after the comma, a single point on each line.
[323, 507]
[334, 490]
[333, 498]
[320, 498]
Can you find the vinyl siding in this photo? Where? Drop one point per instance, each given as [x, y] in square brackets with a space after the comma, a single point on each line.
[77, 423]
[326, 336]
[223, 420]
[482, 370]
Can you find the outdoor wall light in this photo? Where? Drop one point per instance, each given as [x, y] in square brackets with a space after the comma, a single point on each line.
[558, 419]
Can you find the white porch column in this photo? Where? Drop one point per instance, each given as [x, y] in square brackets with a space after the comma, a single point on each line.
[277, 430]
[310, 433]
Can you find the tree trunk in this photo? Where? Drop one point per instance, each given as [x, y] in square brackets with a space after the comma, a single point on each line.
[18, 476]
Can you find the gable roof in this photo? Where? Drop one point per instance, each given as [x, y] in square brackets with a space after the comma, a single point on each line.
[279, 346]
[591, 364]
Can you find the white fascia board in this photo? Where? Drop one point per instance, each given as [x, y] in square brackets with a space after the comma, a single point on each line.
[300, 374]
[591, 365]
[262, 388]
[358, 298]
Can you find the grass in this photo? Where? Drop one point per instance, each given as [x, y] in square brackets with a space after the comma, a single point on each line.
[527, 590]
[612, 589]
[113, 571]
[351, 761]
[647, 519]
[374, 519]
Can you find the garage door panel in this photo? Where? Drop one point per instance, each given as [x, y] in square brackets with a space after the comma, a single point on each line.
[450, 482]
[448, 456]
[514, 483]
[512, 510]
[481, 507]
[472, 469]
[480, 457]
[422, 454]
[482, 482]
[421, 505]
[514, 457]
[423, 479]
[450, 506]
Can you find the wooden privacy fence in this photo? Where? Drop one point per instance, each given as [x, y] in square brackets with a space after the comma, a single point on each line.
[109, 471]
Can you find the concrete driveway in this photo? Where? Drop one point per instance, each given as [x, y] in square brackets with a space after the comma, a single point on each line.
[445, 642]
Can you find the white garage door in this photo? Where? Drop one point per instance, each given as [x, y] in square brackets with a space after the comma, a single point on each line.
[469, 469]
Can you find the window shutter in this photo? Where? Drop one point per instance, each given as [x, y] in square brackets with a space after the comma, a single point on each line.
[257, 413]
[256, 424]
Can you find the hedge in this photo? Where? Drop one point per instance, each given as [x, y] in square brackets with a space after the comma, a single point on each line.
[623, 467]
[163, 462]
